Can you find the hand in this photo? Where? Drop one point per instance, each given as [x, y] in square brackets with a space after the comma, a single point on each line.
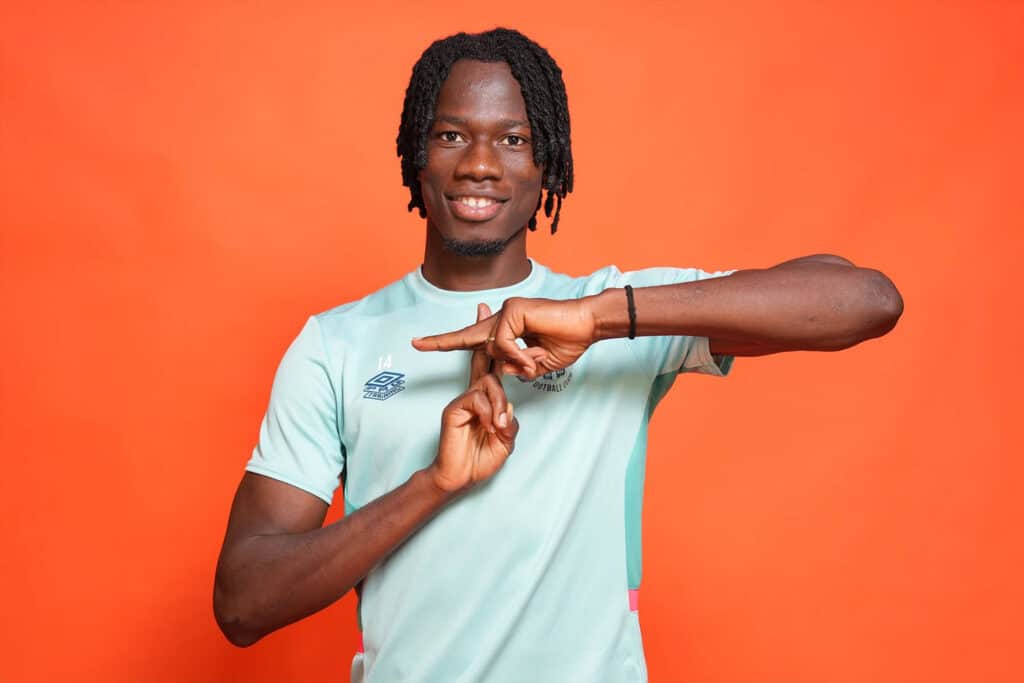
[556, 334]
[478, 429]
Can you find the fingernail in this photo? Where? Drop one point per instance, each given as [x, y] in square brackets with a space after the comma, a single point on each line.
[503, 420]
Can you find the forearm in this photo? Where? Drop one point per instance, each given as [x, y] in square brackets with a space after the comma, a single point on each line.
[807, 304]
[267, 581]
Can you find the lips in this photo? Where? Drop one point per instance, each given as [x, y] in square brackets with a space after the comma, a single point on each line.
[475, 208]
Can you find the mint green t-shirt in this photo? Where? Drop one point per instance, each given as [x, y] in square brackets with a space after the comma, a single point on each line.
[531, 576]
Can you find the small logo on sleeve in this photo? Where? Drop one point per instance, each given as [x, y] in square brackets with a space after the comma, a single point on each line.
[384, 385]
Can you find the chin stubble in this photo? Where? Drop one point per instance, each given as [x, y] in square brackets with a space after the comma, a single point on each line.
[475, 247]
[479, 247]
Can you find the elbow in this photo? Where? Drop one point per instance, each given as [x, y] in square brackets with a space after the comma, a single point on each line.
[237, 636]
[230, 616]
[884, 304]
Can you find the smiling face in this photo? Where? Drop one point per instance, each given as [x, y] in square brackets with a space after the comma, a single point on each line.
[480, 185]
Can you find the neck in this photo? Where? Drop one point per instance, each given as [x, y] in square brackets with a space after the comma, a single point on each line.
[448, 270]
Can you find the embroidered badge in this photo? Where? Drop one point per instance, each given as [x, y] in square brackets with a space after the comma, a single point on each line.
[384, 385]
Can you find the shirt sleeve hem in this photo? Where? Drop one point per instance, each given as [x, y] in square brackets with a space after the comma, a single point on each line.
[293, 481]
[700, 359]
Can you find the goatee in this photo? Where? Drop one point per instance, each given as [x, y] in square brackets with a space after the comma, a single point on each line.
[479, 247]
[475, 247]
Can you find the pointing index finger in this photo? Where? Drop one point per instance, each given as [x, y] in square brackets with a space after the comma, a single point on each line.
[470, 337]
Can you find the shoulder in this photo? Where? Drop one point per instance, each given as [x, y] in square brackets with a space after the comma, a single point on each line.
[565, 286]
[382, 303]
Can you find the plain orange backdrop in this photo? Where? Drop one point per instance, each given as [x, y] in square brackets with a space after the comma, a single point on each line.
[182, 184]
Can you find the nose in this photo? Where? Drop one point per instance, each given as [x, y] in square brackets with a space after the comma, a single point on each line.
[479, 161]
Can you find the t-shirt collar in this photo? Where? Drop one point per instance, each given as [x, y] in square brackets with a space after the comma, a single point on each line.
[423, 289]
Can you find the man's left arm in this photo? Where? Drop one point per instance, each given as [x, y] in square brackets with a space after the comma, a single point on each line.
[813, 303]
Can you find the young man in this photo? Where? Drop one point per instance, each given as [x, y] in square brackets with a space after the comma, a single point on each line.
[471, 565]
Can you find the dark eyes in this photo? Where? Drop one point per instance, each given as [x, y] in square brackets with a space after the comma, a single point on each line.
[512, 140]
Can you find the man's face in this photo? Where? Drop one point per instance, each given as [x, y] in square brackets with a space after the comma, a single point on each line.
[480, 185]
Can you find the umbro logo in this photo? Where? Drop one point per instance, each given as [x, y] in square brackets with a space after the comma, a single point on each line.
[384, 385]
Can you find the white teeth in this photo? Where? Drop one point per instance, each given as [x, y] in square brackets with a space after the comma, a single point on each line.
[476, 202]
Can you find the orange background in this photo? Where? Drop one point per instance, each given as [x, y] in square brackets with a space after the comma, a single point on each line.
[180, 187]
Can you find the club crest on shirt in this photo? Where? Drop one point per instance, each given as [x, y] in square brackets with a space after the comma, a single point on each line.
[384, 385]
[557, 380]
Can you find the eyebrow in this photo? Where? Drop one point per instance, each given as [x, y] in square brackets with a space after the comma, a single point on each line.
[457, 121]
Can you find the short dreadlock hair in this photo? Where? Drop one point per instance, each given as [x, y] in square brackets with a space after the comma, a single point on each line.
[543, 90]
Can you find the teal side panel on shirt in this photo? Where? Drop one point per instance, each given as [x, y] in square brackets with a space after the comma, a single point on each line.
[635, 483]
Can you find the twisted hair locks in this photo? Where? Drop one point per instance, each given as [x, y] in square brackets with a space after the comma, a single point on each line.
[543, 90]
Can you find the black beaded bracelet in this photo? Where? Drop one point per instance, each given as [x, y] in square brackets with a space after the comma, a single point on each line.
[632, 311]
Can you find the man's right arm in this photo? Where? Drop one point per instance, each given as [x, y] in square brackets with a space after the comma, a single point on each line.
[278, 564]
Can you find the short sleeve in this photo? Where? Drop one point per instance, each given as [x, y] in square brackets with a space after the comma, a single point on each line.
[666, 354]
[300, 441]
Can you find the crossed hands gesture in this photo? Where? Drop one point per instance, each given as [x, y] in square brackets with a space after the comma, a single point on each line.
[556, 334]
[478, 428]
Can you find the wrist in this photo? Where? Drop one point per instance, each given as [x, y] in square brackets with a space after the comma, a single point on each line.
[610, 312]
[436, 485]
